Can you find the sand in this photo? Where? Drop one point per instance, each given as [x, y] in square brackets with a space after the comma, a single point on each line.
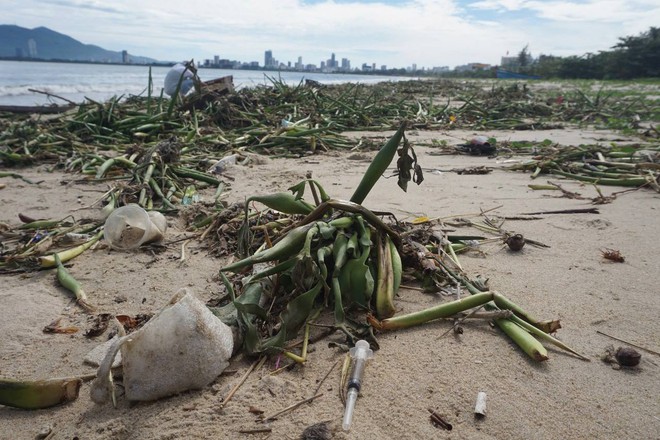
[414, 370]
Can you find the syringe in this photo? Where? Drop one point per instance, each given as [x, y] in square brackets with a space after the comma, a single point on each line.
[360, 354]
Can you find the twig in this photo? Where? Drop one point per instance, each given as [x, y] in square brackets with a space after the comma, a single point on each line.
[53, 95]
[629, 343]
[240, 382]
[566, 211]
[313, 189]
[18, 176]
[436, 419]
[567, 193]
[180, 239]
[291, 408]
[316, 391]
[459, 321]
[255, 431]
[468, 215]
[494, 314]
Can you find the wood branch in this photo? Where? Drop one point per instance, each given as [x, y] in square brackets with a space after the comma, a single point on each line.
[38, 109]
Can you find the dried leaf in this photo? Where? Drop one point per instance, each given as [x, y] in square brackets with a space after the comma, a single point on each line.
[420, 220]
[55, 327]
[99, 325]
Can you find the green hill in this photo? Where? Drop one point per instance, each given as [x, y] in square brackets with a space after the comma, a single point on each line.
[45, 44]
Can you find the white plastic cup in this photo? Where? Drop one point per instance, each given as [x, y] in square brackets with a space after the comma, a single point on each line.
[130, 226]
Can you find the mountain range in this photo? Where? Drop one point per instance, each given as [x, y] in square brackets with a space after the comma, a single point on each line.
[45, 44]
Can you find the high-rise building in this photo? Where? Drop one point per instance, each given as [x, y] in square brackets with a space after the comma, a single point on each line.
[268, 59]
[32, 48]
[124, 57]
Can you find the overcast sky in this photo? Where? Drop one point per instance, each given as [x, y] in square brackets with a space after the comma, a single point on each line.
[396, 33]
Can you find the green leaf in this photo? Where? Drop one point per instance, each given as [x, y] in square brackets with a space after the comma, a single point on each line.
[378, 166]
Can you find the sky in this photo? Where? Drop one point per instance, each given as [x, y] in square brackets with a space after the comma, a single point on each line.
[395, 33]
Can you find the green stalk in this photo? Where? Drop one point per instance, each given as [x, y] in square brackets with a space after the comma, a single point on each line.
[504, 303]
[286, 247]
[71, 284]
[283, 202]
[39, 393]
[604, 181]
[355, 208]
[378, 166]
[194, 174]
[543, 187]
[528, 343]
[440, 311]
[385, 280]
[105, 166]
[546, 337]
[40, 224]
[147, 178]
[64, 256]
[397, 265]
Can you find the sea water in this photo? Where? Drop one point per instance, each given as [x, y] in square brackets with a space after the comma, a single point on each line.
[100, 82]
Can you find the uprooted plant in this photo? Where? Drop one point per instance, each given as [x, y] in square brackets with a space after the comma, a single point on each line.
[343, 256]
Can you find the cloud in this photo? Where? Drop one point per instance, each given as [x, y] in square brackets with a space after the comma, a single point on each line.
[590, 11]
[396, 33]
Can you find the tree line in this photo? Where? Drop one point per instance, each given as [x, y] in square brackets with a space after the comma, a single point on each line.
[632, 57]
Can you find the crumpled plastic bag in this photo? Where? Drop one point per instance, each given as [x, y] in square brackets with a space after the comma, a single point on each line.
[183, 347]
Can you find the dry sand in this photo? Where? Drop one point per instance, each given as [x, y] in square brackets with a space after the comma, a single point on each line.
[414, 370]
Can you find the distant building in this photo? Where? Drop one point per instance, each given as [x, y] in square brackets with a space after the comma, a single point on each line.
[269, 61]
[345, 64]
[472, 67]
[383, 67]
[224, 63]
[32, 48]
[125, 58]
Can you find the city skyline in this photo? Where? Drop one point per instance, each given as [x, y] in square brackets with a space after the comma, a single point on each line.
[394, 33]
[329, 66]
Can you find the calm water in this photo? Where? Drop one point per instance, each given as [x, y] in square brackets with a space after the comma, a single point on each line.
[101, 82]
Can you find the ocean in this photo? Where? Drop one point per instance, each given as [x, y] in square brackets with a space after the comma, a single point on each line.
[100, 82]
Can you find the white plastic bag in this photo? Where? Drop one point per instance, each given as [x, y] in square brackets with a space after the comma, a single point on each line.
[183, 347]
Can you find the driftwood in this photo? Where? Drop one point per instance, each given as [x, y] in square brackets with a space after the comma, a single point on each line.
[40, 109]
[210, 91]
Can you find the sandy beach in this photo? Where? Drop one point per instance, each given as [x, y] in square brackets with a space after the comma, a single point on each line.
[414, 369]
